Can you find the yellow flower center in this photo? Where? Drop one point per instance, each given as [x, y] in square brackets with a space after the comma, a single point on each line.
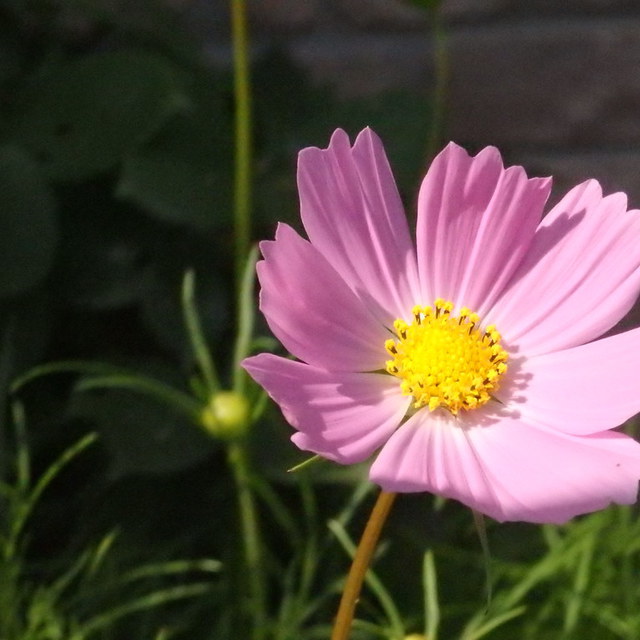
[445, 360]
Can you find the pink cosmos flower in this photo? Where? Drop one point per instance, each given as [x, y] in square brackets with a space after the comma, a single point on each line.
[467, 360]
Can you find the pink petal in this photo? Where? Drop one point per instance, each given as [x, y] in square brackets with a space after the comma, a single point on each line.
[353, 215]
[312, 311]
[430, 452]
[476, 221]
[510, 470]
[580, 277]
[586, 389]
[342, 416]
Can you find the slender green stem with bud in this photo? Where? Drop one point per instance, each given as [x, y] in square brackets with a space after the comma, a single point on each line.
[360, 564]
[237, 452]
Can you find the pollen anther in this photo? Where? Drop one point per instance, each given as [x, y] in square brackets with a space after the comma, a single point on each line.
[445, 360]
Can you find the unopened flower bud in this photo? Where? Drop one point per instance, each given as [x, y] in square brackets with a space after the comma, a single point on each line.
[226, 416]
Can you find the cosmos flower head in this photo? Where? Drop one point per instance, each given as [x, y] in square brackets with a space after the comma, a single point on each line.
[466, 363]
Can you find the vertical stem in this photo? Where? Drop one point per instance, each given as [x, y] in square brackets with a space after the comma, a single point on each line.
[441, 64]
[253, 575]
[237, 451]
[242, 186]
[360, 564]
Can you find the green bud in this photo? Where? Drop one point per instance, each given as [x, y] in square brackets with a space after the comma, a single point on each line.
[226, 416]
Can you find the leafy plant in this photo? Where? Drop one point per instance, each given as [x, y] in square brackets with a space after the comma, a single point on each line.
[83, 596]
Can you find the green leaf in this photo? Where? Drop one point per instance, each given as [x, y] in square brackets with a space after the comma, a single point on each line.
[43, 482]
[176, 191]
[148, 601]
[28, 228]
[431, 603]
[26, 321]
[104, 251]
[156, 23]
[481, 529]
[140, 434]
[193, 327]
[80, 118]
[161, 310]
[184, 175]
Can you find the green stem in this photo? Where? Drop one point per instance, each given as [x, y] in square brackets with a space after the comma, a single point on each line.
[245, 320]
[242, 187]
[196, 334]
[237, 452]
[256, 607]
[360, 564]
[441, 79]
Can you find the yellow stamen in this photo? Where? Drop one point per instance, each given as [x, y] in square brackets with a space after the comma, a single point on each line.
[445, 360]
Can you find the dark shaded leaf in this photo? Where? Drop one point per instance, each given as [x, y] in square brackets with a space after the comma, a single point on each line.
[82, 117]
[28, 228]
[141, 435]
[185, 174]
[161, 310]
[104, 250]
[177, 191]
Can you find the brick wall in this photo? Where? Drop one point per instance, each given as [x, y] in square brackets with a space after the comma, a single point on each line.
[556, 85]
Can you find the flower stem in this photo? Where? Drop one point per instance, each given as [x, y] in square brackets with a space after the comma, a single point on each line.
[237, 451]
[255, 607]
[360, 564]
[241, 87]
[441, 62]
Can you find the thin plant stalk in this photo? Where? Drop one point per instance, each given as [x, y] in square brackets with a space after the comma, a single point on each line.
[253, 576]
[441, 80]
[360, 564]
[242, 96]
[237, 451]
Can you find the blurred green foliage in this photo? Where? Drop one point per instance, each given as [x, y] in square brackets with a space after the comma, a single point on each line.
[115, 178]
[116, 175]
[85, 594]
